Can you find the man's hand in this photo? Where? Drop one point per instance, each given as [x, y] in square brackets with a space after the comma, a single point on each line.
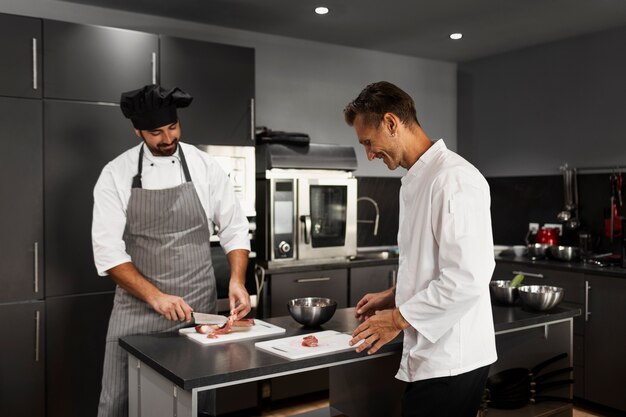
[171, 307]
[239, 300]
[378, 330]
[371, 303]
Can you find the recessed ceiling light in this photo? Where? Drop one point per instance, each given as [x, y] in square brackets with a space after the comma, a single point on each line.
[321, 10]
[456, 36]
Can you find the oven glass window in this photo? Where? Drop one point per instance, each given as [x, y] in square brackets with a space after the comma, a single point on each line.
[328, 215]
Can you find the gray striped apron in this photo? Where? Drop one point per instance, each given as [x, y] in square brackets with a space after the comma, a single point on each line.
[167, 237]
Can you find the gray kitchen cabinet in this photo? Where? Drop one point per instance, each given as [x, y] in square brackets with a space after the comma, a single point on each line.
[80, 139]
[22, 359]
[221, 80]
[605, 339]
[370, 279]
[573, 284]
[76, 330]
[329, 283]
[21, 211]
[93, 63]
[20, 45]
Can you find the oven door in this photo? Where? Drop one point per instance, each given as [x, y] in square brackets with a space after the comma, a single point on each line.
[326, 218]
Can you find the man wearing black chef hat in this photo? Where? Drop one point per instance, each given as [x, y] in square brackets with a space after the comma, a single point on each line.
[155, 206]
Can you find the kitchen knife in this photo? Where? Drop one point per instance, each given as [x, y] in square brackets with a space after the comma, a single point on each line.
[204, 318]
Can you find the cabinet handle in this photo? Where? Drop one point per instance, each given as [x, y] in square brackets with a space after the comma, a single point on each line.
[530, 274]
[36, 264]
[34, 63]
[154, 68]
[252, 121]
[393, 275]
[587, 312]
[302, 280]
[37, 328]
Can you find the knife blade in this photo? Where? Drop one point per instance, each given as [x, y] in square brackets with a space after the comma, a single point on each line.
[204, 318]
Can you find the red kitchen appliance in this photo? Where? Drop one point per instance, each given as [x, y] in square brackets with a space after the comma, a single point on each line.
[548, 236]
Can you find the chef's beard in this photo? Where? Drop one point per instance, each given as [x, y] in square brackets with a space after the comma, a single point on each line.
[162, 149]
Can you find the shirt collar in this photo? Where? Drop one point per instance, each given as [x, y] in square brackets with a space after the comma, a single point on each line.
[160, 159]
[431, 153]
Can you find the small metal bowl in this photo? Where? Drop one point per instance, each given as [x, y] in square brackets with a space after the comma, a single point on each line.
[502, 292]
[565, 253]
[538, 250]
[312, 311]
[540, 297]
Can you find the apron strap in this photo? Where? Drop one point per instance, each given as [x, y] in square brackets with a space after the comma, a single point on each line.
[183, 161]
[137, 178]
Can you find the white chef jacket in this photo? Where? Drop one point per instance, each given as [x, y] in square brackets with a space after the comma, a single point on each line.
[445, 265]
[112, 192]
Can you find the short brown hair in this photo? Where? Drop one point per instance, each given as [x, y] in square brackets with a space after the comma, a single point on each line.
[379, 98]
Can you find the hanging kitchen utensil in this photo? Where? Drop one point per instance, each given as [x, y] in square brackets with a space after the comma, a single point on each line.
[573, 222]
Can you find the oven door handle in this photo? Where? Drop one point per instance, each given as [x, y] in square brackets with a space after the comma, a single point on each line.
[306, 219]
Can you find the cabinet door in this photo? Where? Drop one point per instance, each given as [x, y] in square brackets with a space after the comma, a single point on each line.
[370, 279]
[20, 45]
[331, 283]
[93, 63]
[21, 211]
[605, 339]
[221, 80]
[80, 139]
[76, 330]
[22, 360]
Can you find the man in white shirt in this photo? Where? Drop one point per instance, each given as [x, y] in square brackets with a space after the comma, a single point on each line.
[155, 206]
[441, 300]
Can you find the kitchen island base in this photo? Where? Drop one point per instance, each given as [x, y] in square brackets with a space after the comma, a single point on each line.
[167, 371]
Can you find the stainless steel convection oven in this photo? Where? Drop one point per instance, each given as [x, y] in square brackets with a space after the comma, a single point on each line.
[306, 204]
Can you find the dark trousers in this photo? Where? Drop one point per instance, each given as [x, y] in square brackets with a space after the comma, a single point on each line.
[450, 396]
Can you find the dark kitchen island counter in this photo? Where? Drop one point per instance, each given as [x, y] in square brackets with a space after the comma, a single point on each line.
[166, 371]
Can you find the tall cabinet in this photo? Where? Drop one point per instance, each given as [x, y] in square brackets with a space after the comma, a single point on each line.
[221, 80]
[22, 311]
[59, 108]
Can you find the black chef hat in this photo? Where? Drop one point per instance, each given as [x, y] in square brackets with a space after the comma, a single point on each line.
[152, 106]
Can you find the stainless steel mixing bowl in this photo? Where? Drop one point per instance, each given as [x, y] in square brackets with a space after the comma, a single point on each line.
[502, 292]
[565, 253]
[312, 311]
[538, 250]
[540, 297]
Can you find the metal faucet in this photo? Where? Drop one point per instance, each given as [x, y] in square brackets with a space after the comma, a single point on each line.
[375, 221]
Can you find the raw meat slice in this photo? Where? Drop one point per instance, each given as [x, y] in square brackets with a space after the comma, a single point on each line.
[310, 341]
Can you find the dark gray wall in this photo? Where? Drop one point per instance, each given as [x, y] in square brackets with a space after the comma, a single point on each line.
[527, 112]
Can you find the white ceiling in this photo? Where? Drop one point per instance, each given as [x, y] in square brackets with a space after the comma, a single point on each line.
[409, 27]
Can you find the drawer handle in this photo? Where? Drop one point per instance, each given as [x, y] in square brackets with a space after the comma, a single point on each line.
[303, 280]
[154, 69]
[530, 274]
[393, 276]
[587, 312]
[36, 265]
[252, 120]
[37, 328]
[34, 63]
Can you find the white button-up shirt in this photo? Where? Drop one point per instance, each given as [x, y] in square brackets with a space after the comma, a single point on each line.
[112, 192]
[445, 265]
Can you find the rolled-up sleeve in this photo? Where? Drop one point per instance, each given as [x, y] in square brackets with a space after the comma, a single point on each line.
[228, 214]
[109, 221]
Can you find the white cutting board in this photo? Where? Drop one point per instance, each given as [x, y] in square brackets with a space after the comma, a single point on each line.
[259, 329]
[330, 341]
